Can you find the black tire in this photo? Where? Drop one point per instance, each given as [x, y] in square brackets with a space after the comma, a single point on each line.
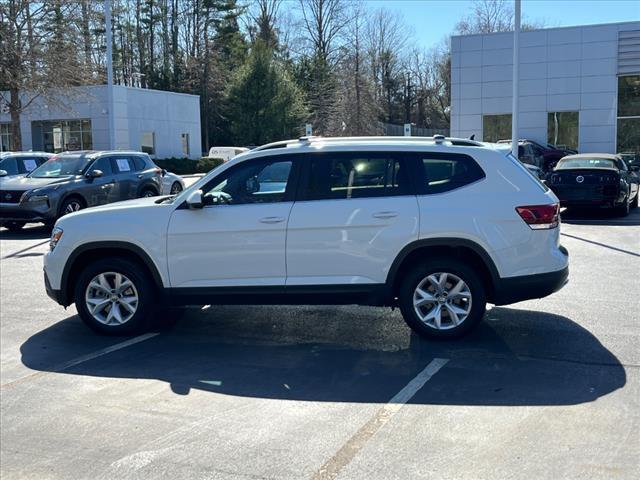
[176, 188]
[144, 288]
[70, 205]
[443, 265]
[623, 210]
[14, 227]
[148, 192]
[634, 204]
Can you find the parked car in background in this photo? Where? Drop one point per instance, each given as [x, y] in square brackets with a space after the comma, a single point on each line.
[172, 184]
[434, 226]
[542, 156]
[595, 180]
[72, 181]
[21, 163]
[226, 153]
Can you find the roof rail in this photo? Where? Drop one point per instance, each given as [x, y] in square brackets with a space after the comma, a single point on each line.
[437, 139]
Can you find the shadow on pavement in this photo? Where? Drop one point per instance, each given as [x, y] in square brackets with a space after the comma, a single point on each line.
[515, 357]
[34, 232]
[596, 216]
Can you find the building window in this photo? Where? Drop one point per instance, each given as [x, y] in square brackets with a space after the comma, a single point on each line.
[496, 127]
[562, 129]
[148, 143]
[6, 139]
[62, 135]
[184, 138]
[628, 135]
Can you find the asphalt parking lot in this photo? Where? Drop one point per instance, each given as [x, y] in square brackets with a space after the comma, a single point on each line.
[542, 389]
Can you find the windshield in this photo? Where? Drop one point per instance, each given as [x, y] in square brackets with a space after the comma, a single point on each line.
[567, 163]
[61, 167]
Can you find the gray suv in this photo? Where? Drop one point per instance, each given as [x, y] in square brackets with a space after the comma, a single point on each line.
[71, 181]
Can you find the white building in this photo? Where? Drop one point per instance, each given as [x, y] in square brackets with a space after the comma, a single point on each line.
[579, 86]
[163, 124]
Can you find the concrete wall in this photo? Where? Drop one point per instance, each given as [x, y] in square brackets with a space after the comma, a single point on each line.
[136, 110]
[561, 69]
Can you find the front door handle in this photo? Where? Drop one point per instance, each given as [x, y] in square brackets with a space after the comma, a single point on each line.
[386, 214]
[272, 220]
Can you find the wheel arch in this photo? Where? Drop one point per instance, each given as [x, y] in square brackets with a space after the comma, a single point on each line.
[89, 252]
[70, 195]
[466, 250]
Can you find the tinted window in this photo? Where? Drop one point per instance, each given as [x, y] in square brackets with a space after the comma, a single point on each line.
[444, 172]
[122, 165]
[342, 176]
[103, 164]
[259, 181]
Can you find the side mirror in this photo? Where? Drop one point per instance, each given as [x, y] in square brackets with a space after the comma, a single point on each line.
[195, 200]
[3, 173]
[94, 174]
[163, 172]
[216, 198]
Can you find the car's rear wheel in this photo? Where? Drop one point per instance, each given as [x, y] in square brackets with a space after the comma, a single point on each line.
[176, 188]
[14, 226]
[442, 298]
[114, 296]
[148, 192]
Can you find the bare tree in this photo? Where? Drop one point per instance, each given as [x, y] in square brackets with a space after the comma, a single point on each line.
[490, 16]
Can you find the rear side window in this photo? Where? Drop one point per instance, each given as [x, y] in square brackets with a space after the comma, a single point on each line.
[139, 163]
[445, 172]
[357, 175]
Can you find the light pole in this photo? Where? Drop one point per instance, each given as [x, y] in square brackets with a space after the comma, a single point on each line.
[112, 123]
[516, 81]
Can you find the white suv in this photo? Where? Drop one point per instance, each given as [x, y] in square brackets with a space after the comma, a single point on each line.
[438, 227]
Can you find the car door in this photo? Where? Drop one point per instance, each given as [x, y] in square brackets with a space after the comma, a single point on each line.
[354, 213]
[126, 176]
[241, 242]
[104, 189]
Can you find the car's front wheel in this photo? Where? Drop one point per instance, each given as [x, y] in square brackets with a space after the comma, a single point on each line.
[148, 192]
[114, 296]
[176, 188]
[70, 205]
[442, 298]
[624, 209]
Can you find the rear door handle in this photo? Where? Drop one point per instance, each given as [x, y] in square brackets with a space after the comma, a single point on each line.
[387, 214]
[272, 220]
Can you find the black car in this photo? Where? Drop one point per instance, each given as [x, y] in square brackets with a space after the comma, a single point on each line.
[71, 181]
[595, 180]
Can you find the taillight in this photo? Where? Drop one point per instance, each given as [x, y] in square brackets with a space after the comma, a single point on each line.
[540, 217]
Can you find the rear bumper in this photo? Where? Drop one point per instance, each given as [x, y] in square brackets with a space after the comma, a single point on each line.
[528, 287]
[605, 196]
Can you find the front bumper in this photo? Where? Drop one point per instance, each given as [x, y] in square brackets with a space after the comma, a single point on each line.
[55, 295]
[24, 212]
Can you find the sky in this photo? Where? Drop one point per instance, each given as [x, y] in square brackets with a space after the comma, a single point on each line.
[434, 20]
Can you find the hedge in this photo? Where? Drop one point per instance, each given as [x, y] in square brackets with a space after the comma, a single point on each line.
[184, 166]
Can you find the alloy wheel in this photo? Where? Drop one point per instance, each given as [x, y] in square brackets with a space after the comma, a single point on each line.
[111, 298]
[176, 188]
[72, 206]
[442, 301]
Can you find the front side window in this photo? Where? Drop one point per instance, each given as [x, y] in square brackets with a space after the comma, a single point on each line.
[344, 176]
[496, 127]
[103, 164]
[444, 172]
[562, 129]
[259, 181]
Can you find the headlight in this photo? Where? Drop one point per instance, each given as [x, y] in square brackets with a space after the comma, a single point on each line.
[56, 235]
[38, 198]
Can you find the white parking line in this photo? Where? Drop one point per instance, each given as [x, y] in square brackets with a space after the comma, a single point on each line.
[358, 440]
[84, 358]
